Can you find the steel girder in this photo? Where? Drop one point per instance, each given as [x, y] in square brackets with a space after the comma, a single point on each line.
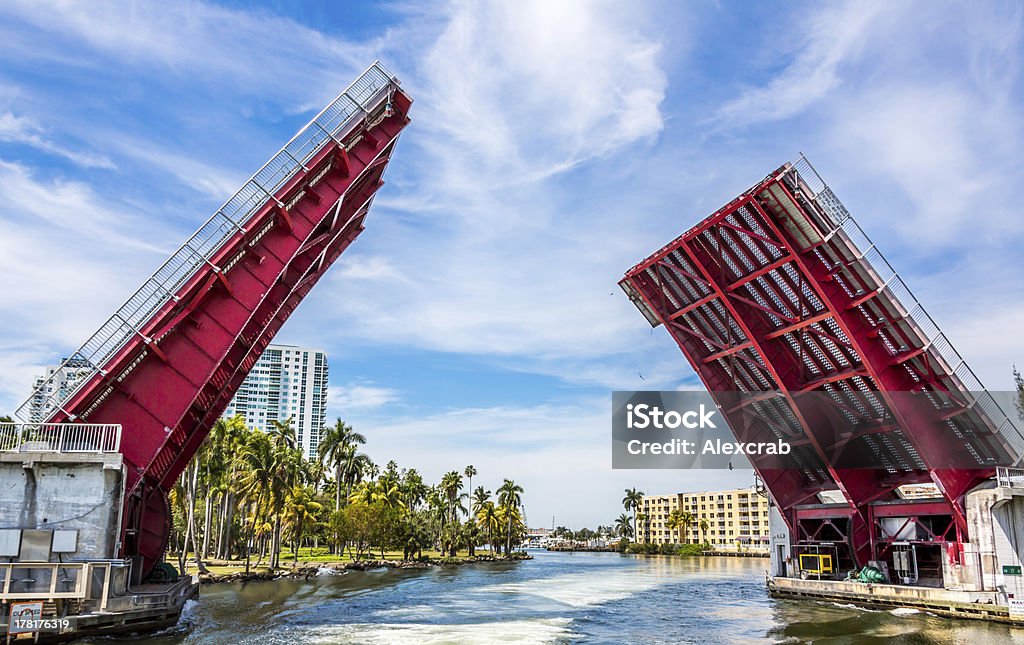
[171, 382]
[772, 294]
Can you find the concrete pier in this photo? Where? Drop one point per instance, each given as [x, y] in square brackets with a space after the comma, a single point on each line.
[981, 605]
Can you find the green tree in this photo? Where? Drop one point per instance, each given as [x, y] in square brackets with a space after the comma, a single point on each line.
[623, 526]
[469, 472]
[257, 465]
[480, 497]
[631, 502]
[300, 511]
[674, 521]
[451, 487]
[487, 519]
[338, 450]
[509, 499]
[686, 520]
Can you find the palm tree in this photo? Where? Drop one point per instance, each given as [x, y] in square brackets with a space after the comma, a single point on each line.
[257, 466]
[686, 519]
[469, 472]
[370, 469]
[509, 498]
[300, 512]
[704, 528]
[451, 485]
[338, 448]
[623, 526]
[480, 497]
[413, 489]
[675, 521]
[487, 519]
[289, 472]
[282, 433]
[354, 467]
[632, 502]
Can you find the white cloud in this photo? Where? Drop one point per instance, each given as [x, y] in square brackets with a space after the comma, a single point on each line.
[358, 396]
[489, 254]
[252, 52]
[915, 100]
[944, 148]
[26, 130]
[829, 38]
[69, 207]
[59, 241]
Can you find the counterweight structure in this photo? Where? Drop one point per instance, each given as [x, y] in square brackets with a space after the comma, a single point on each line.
[166, 364]
[792, 318]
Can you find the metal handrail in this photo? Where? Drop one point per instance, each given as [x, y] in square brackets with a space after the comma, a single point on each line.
[60, 437]
[1010, 477]
[83, 580]
[357, 100]
[900, 293]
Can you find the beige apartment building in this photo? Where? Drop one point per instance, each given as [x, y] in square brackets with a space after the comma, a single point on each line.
[735, 518]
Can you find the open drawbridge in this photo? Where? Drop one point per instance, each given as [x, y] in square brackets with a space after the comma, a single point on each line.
[168, 361]
[792, 318]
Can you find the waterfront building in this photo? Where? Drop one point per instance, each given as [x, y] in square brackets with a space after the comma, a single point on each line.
[286, 381]
[736, 519]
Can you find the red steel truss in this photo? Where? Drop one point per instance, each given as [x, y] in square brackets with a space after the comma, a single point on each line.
[168, 362]
[781, 292]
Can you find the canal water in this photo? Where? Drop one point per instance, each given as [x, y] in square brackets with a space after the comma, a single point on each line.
[555, 598]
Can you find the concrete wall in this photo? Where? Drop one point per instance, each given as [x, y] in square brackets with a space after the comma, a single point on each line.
[51, 491]
[995, 517]
[780, 541]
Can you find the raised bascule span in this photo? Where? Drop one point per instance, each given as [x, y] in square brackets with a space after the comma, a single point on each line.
[792, 318]
[168, 361]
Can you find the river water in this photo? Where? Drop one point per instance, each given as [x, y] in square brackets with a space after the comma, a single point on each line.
[555, 598]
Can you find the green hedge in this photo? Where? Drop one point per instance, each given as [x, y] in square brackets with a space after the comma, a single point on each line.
[667, 549]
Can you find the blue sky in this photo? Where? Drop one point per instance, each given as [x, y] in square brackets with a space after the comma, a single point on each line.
[553, 145]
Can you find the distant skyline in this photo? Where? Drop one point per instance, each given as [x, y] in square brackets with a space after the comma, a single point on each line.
[552, 146]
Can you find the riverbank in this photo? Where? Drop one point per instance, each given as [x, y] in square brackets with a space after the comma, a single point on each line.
[308, 570]
[554, 598]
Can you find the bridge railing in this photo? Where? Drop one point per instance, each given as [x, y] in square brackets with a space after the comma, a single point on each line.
[1010, 477]
[359, 100]
[892, 284]
[60, 437]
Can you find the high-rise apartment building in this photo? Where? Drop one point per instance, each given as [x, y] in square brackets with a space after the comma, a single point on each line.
[726, 519]
[56, 383]
[286, 381]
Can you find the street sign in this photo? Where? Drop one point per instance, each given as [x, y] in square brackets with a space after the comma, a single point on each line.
[25, 617]
[1011, 570]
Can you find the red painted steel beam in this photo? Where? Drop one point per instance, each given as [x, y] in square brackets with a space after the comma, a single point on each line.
[929, 439]
[788, 486]
[170, 384]
[855, 483]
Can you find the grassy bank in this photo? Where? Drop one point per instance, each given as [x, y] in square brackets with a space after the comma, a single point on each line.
[309, 560]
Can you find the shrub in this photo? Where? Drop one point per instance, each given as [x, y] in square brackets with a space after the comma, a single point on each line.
[690, 549]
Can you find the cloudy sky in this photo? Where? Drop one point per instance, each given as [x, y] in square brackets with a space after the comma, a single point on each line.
[553, 145]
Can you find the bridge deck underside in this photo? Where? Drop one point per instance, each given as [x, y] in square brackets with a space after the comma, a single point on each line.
[790, 327]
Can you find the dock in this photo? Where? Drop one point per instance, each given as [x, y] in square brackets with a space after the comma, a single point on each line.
[978, 605]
